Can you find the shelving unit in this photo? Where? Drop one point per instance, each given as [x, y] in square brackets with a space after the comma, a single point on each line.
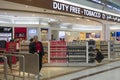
[98, 45]
[111, 53]
[69, 54]
[46, 52]
[91, 55]
[24, 47]
[107, 48]
[104, 47]
[58, 52]
[76, 52]
[117, 48]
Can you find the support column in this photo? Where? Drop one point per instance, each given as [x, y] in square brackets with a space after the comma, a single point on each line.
[106, 37]
[105, 32]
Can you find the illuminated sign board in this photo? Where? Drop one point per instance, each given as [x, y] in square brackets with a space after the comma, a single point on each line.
[83, 11]
[5, 29]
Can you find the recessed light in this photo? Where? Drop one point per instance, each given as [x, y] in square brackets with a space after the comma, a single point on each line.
[26, 6]
[5, 13]
[53, 11]
[115, 23]
[44, 23]
[63, 27]
[28, 0]
[73, 15]
[77, 18]
[88, 20]
[33, 14]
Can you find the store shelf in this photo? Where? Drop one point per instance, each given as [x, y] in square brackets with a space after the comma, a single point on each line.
[69, 52]
[75, 61]
[76, 56]
[58, 58]
[24, 46]
[117, 48]
[91, 47]
[58, 52]
[76, 45]
[81, 51]
[46, 52]
[57, 45]
[76, 52]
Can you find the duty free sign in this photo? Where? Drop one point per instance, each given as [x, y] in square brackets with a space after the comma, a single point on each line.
[82, 11]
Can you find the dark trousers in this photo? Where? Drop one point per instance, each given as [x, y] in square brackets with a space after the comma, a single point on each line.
[40, 61]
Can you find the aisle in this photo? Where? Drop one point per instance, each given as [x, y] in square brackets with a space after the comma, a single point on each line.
[104, 72]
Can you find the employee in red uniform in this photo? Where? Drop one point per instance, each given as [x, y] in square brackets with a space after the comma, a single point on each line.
[38, 48]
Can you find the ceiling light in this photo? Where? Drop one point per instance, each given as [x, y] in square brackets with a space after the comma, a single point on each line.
[77, 18]
[43, 23]
[115, 27]
[88, 20]
[29, 0]
[51, 20]
[73, 15]
[53, 11]
[33, 15]
[26, 6]
[88, 29]
[82, 27]
[5, 13]
[63, 27]
[114, 23]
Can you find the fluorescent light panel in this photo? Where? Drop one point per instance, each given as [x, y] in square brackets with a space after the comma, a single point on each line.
[114, 27]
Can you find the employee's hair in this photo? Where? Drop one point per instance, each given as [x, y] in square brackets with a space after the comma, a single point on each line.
[31, 39]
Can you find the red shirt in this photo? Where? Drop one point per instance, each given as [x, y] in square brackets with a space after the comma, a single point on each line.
[38, 47]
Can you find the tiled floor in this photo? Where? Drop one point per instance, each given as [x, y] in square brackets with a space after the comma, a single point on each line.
[105, 72]
[51, 72]
[76, 73]
[109, 75]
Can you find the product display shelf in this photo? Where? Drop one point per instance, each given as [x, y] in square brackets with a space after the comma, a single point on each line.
[76, 52]
[24, 47]
[104, 47]
[58, 52]
[91, 53]
[46, 52]
[98, 44]
[117, 48]
[69, 54]
[111, 53]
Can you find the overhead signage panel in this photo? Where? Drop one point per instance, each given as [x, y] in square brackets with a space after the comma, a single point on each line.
[64, 7]
[83, 11]
[5, 29]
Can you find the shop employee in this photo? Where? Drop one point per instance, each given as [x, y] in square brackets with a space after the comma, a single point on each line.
[37, 47]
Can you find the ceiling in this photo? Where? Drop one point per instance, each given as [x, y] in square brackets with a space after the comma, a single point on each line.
[93, 4]
[54, 18]
[42, 14]
[117, 2]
